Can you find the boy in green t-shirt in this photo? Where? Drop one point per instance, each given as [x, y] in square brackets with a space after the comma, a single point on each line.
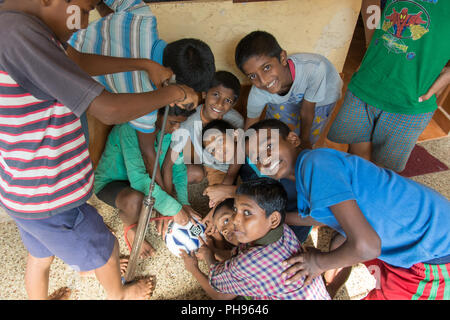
[390, 99]
[122, 180]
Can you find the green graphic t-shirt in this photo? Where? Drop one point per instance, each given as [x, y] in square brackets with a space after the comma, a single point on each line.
[405, 57]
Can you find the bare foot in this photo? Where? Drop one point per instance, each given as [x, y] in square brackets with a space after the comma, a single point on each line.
[141, 289]
[147, 250]
[60, 294]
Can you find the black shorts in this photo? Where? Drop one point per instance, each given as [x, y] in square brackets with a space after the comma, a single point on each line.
[109, 193]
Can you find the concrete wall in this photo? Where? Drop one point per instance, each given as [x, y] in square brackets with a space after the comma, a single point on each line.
[319, 26]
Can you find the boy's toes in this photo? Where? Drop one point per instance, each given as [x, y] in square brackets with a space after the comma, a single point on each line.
[61, 294]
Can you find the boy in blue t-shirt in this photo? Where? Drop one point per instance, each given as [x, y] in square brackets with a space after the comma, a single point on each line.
[398, 227]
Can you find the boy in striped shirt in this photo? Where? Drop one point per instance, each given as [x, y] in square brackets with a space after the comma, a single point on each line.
[46, 174]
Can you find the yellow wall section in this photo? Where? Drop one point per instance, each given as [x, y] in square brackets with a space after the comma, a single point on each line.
[319, 26]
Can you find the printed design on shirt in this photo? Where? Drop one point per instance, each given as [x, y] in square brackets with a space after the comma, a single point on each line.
[404, 20]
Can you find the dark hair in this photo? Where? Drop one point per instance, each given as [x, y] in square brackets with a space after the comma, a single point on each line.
[220, 125]
[192, 61]
[282, 127]
[256, 43]
[268, 193]
[228, 203]
[227, 80]
[176, 111]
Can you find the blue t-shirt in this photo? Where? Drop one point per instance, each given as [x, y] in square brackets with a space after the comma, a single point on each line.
[411, 219]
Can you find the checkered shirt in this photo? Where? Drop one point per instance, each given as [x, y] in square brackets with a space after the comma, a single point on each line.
[256, 272]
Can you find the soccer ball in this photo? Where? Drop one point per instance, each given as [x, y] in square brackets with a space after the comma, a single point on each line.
[185, 238]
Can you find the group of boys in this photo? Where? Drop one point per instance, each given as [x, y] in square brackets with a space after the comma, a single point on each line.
[257, 226]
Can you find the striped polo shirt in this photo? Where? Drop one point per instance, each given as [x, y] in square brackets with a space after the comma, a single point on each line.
[129, 32]
[45, 167]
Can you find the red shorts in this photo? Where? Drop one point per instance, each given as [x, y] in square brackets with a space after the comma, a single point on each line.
[420, 282]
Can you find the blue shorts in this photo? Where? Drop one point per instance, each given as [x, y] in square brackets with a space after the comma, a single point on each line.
[78, 236]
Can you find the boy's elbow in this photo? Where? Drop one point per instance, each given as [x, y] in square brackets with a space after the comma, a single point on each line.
[368, 249]
[109, 120]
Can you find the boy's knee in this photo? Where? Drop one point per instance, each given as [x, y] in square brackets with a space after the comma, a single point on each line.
[336, 241]
[196, 174]
[129, 201]
[361, 149]
[39, 263]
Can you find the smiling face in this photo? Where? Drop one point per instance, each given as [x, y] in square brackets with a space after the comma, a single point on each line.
[250, 220]
[220, 145]
[269, 73]
[223, 221]
[273, 155]
[218, 101]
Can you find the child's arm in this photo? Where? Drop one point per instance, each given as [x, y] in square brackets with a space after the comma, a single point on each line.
[218, 193]
[439, 85]
[147, 146]
[256, 104]
[96, 65]
[294, 219]
[250, 121]
[233, 170]
[191, 264]
[232, 173]
[111, 108]
[307, 113]
[222, 254]
[369, 30]
[362, 243]
[167, 174]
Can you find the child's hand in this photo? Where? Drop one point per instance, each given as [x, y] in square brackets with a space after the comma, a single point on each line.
[192, 213]
[302, 265]
[158, 74]
[218, 193]
[190, 100]
[185, 215]
[205, 253]
[190, 260]
[210, 227]
[438, 86]
[182, 217]
[161, 225]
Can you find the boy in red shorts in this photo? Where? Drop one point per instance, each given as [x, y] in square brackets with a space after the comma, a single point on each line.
[397, 227]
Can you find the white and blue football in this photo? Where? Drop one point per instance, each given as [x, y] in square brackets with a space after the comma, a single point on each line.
[185, 238]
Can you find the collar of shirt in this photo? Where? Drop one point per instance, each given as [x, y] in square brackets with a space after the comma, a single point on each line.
[271, 237]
